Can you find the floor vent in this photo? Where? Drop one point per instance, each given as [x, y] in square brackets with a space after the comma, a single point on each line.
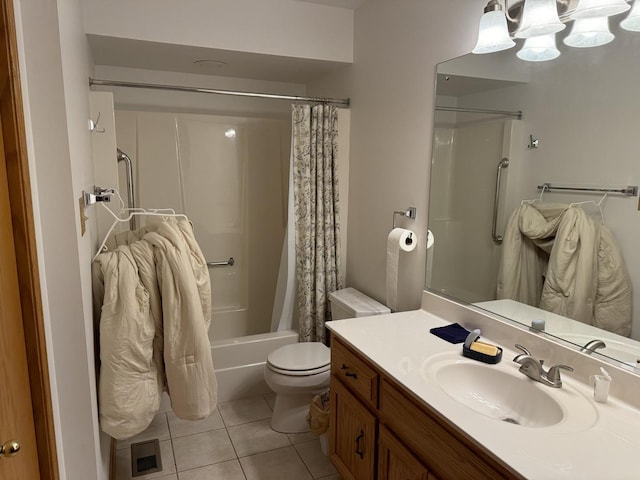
[145, 458]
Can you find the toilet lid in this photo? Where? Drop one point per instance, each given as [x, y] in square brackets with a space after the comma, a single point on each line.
[300, 356]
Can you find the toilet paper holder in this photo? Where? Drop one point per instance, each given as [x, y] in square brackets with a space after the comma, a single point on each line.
[409, 213]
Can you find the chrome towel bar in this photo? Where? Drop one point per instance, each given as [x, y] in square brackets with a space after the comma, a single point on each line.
[227, 263]
[631, 190]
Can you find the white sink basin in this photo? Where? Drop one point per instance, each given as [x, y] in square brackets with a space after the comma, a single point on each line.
[498, 395]
[502, 393]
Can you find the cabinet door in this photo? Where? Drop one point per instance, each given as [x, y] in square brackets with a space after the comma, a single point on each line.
[353, 435]
[395, 462]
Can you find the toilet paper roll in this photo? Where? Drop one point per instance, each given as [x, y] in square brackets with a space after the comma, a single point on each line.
[400, 242]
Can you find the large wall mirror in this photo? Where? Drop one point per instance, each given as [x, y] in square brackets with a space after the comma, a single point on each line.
[571, 123]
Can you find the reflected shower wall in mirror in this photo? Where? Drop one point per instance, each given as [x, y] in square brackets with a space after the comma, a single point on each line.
[583, 110]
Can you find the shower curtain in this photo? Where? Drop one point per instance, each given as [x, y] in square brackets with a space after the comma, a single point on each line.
[316, 212]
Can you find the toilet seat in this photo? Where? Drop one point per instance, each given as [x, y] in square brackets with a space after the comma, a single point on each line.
[300, 359]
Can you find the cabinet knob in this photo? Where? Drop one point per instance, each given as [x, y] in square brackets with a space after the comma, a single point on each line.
[9, 449]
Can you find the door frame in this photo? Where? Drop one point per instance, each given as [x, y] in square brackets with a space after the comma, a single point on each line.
[14, 132]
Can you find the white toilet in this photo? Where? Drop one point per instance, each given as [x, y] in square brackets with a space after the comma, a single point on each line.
[299, 371]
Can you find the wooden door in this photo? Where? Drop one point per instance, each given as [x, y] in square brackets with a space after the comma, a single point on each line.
[396, 462]
[16, 418]
[25, 395]
[353, 435]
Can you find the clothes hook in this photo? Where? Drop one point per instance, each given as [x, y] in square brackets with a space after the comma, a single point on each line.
[93, 126]
[533, 142]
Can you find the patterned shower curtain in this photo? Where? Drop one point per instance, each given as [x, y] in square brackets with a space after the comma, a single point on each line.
[315, 180]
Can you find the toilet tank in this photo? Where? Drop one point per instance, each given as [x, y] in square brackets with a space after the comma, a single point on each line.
[350, 303]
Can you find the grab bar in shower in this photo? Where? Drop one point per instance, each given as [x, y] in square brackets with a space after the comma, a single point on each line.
[227, 263]
[131, 202]
[497, 239]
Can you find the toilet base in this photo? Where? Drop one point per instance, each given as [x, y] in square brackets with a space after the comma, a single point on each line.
[290, 413]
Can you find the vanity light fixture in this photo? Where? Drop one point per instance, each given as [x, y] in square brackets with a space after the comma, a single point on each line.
[632, 22]
[540, 17]
[589, 32]
[599, 8]
[539, 49]
[493, 33]
[539, 20]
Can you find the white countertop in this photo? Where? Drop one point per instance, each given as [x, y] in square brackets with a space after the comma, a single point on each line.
[604, 446]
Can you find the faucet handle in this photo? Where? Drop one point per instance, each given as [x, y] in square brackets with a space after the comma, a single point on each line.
[554, 372]
[524, 351]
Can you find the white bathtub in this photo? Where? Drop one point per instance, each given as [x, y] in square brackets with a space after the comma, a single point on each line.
[229, 323]
[239, 362]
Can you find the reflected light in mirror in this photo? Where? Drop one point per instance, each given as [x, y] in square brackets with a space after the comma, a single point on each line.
[539, 49]
[230, 133]
[493, 34]
[632, 22]
[600, 8]
[589, 32]
[540, 17]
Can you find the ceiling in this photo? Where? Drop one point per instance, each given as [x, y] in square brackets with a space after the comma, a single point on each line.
[123, 52]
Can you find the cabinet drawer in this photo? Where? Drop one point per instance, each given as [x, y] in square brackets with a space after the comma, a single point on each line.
[357, 375]
[445, 454]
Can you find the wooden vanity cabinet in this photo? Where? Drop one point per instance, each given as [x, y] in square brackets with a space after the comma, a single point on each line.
[396, 462]
[353, 449]
[380, 431]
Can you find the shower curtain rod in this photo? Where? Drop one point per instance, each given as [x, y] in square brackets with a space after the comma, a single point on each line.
[480, 110]
[178, 88]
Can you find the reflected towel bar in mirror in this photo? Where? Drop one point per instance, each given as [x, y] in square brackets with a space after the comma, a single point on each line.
[631, 190]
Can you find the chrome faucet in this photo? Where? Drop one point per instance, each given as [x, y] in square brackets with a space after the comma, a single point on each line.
[592, 346]
[532, 368]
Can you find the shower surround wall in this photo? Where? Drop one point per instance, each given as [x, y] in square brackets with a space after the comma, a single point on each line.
[229, 176]
[466, 153]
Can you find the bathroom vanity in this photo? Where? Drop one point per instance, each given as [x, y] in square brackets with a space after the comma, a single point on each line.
[378, 425]
[406, 404]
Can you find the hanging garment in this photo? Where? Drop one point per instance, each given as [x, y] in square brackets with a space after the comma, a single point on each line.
[587, 279]
[186, 305]
[527, 243]
[557, 258]
[128, 391]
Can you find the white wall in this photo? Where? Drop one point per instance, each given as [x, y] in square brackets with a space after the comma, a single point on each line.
[391, 83]
[276, 27]
[54, 67]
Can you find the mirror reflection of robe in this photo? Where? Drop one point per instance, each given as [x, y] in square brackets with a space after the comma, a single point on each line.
[557, 258]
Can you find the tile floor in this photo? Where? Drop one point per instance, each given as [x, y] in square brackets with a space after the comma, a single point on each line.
[235, 443]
